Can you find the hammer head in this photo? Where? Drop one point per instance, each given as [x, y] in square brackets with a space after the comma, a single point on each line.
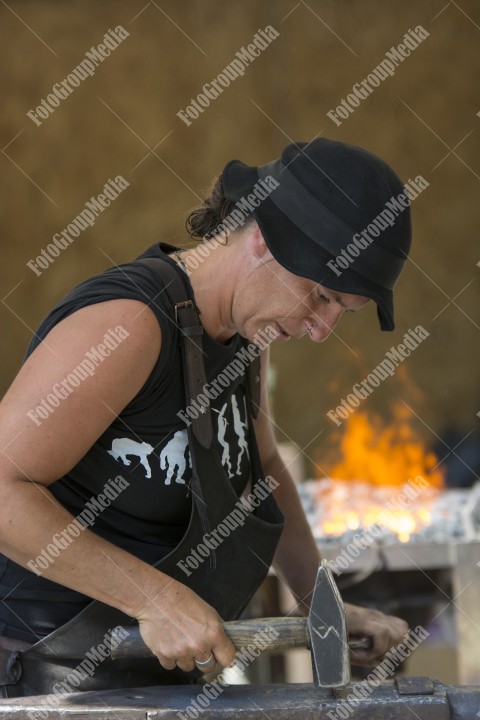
[328, 632]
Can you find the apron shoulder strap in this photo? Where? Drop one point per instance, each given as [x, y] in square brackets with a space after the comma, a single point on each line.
[190, 332]
[191, 338]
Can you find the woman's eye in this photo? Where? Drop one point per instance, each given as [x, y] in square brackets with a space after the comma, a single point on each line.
[323, 298]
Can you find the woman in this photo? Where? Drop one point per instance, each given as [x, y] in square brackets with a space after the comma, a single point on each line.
[102, 407]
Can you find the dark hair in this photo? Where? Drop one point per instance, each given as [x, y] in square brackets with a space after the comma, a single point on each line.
[203, 221]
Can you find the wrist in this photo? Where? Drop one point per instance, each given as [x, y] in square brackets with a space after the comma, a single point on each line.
[154, 592]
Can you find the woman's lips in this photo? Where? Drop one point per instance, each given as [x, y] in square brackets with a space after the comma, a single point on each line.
[283, 336]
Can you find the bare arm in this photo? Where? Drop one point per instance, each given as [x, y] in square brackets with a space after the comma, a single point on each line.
[297, 557]
[175, 622]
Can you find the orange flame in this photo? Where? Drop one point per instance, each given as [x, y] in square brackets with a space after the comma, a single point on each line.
[385, 456]
[381, 460]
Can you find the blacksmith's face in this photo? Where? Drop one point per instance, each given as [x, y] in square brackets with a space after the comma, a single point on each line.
[294, 306]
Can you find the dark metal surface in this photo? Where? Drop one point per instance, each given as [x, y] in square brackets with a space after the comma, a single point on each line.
[328, 632]
[414, 685]
[254, 702]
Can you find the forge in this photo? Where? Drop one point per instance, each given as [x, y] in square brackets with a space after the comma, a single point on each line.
[394, 534]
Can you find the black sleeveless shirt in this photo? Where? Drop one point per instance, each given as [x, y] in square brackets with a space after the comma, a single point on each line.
[146, 445]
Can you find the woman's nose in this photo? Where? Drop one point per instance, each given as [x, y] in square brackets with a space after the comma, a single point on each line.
[322, 327]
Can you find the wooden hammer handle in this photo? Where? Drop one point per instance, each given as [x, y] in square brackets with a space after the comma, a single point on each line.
[278, 632]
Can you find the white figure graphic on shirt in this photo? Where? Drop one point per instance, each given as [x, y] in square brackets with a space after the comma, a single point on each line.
[121, 447]
[239, 426]
[176, 454]
[222, 427]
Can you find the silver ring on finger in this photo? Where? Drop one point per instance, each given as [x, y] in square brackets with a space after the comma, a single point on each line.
[205, 663]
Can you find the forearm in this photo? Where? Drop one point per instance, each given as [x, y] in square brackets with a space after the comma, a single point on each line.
[297, 556]
[29, 519]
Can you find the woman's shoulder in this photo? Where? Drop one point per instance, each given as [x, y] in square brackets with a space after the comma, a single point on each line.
[140, 280]
[146, 278]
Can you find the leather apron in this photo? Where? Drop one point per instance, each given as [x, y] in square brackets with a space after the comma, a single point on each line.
[226, 580]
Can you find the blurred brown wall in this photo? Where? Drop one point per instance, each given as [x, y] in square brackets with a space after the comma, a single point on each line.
[324, 48]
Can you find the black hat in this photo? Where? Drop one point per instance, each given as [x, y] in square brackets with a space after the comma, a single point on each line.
[327, 193]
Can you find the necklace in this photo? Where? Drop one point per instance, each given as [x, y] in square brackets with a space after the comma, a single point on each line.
[182, 264]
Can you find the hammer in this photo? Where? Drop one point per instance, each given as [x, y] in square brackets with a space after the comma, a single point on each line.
[324, 632]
